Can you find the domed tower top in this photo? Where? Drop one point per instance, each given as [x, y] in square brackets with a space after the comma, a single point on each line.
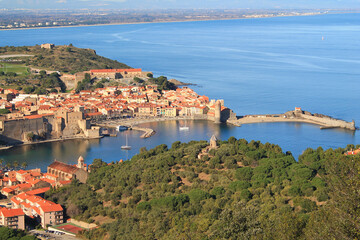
[80, 163]
[213, 142]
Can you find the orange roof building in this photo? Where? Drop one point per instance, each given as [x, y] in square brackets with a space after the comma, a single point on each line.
[12, 218]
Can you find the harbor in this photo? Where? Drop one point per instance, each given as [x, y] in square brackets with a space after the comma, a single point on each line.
[132, 124]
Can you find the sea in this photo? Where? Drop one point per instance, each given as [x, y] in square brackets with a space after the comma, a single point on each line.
[258, 66]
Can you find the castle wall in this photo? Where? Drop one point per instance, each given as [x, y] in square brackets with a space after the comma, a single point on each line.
[94, 132]
[16, 130]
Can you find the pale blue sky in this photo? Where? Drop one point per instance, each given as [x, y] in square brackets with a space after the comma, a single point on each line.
[166, 4]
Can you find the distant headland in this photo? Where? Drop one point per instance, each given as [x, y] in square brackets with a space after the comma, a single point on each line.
[24, 19]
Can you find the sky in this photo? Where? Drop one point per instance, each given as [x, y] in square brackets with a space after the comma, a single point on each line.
[177, 4]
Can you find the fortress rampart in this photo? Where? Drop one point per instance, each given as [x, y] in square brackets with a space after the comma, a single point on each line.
[15, 131]
[296, 116]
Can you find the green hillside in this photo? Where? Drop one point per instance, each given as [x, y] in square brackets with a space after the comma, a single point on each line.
[65, 58]
[239, 191]
[16, 64]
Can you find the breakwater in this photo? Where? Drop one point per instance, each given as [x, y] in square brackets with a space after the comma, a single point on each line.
[297, 115]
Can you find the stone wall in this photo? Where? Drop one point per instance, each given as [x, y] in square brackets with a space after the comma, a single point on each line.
[330, 121]
[70, 81]
[83, 224]
[15, 131]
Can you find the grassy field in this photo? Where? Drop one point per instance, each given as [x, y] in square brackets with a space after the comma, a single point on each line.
[19, 69]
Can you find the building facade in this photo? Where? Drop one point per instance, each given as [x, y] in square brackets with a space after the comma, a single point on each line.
[66, 172]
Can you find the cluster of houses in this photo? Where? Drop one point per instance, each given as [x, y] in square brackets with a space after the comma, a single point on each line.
[352, 152]
[142, 101]
[26, 188]
[69, 115]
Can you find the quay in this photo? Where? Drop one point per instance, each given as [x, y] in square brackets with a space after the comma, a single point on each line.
[298, 115]
[132, 123]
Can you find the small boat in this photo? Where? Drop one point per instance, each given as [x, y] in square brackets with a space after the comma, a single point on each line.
[184, 128]
[122, 128]
[126, 147]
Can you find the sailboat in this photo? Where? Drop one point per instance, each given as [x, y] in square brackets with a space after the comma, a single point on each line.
[184, 128]
[126, 147]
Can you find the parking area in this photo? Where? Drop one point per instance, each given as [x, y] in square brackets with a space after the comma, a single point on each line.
[52, 235]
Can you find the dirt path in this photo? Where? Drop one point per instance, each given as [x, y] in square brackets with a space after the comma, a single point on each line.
[15, 55]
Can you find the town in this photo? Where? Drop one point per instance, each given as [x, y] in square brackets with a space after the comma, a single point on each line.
[33, 118]
[24, 206]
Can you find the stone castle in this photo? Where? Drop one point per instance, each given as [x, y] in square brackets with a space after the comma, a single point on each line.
[61, 125]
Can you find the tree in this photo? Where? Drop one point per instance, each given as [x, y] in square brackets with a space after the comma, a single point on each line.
[340, 217]
[8, 165]
[24, 165]
[40, 91]
[30, 136]
[244, 173]
[28, 89]
[138, 80]
[99, 85]
[15, 164]
[237, 222]
[42, 73]
[4, 111]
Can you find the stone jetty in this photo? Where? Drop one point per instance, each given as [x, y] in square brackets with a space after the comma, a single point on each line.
[298, 115]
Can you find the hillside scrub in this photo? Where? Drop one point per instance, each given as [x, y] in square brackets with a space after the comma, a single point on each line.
[65, 58]
[171, 194]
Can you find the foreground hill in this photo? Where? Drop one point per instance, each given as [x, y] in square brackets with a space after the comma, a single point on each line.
[66, 58]
[239, 190]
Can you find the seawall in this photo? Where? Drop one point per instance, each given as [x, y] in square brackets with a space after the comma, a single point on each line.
[296, 116]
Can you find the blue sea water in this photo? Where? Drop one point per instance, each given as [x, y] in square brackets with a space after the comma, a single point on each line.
[258, 66]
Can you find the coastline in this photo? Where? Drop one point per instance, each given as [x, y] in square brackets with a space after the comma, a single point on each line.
[47, 141]
[179, 21]
[133, 123]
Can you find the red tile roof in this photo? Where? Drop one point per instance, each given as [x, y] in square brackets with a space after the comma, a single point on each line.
[12, 212]
[38, 191]
[63, 167]
[51, 208]
[7, 190]
[21, 171]
[114, 70]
